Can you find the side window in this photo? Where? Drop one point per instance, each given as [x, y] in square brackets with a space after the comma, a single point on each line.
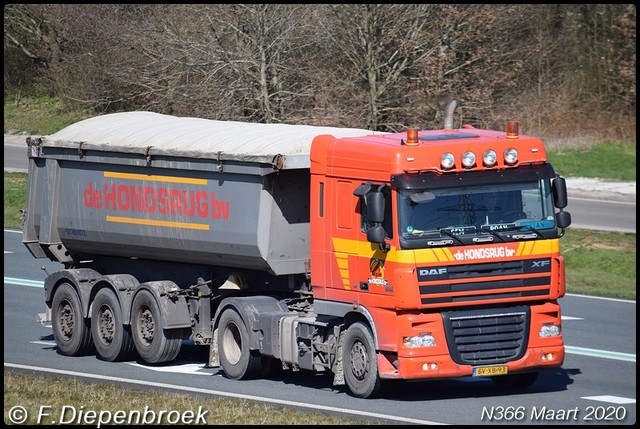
[344, 205]
[365, 223]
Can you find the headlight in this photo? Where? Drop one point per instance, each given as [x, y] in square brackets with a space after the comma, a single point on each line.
[549, 330]
[425, 340]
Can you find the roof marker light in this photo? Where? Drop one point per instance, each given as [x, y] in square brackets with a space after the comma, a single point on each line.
[447, 160]
[468, 159]
[489, 158]
[510, 156]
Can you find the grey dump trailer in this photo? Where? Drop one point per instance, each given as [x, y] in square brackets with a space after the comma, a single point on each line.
[156, 219]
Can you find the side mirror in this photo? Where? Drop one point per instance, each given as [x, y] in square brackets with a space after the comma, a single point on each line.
[563, 219]
[559, 188]
[375, 206]
[376, 234]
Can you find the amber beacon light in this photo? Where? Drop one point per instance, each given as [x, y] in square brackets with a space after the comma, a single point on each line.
[513, 129]
[412, 137]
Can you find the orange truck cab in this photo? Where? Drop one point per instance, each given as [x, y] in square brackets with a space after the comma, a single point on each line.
[400, 232]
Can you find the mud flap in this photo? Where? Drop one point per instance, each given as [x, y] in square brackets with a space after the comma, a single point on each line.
[338, 378]
[214, 357]
[45, 318]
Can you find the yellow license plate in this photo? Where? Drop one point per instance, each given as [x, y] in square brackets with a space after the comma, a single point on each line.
[488, 371]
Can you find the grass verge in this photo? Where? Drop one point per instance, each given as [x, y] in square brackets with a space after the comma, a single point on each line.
[614, 161]
[38, 115]
[70, 401]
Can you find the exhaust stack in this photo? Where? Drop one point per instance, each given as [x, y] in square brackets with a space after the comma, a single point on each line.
[448, 114]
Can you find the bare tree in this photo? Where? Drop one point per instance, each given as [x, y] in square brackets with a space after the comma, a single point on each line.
[379, 44]
[409, 60]
[379, 66]
[30, 45]
[258, 44]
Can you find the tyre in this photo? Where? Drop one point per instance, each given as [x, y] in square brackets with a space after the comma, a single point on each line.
[71, 331]
[238, 362]
[515, 381]
[112, 339]
[153, 343]
[360, 362]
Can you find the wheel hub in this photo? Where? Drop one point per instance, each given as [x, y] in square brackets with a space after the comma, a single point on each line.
[359, 361]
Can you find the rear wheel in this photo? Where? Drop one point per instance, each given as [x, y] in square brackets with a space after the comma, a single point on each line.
[153, 343]
[237, 360]
[71, 331]
[111, 337]
[360, 363]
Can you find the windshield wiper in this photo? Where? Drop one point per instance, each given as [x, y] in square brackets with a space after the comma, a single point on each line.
[521, 228]
[493, 233]
[450, 234]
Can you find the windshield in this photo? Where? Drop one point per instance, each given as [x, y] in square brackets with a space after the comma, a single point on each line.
[475, 210]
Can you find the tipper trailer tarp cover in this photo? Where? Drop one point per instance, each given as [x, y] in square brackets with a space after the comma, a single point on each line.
[158, 134]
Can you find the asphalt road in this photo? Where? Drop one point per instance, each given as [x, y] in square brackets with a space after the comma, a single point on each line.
[596, 384]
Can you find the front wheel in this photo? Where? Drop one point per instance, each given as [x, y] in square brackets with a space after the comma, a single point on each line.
[153, 343]
[237, 360]
[111, 337]
[360, 362]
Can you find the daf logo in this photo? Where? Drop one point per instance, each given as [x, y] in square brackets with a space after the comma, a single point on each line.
[432, 271]
[540, 264]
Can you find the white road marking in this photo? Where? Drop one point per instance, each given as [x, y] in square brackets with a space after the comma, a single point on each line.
[611, 399]
[45, 343]
[23, 282]
[628, 357]
[571, 318]
[184, 368]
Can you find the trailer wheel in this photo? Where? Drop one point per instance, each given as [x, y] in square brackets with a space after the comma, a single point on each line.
[238, 361]
[360, 362]
[111, 337]
[153, 343]
[71, 331]
[515, 381]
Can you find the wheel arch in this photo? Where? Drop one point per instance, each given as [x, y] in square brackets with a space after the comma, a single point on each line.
[77, 278]
[249, 308]
[123, 285]
[349, 315]
[174, 309]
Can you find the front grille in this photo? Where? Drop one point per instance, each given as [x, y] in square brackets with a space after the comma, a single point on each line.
[487, 336]
[470, 284]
